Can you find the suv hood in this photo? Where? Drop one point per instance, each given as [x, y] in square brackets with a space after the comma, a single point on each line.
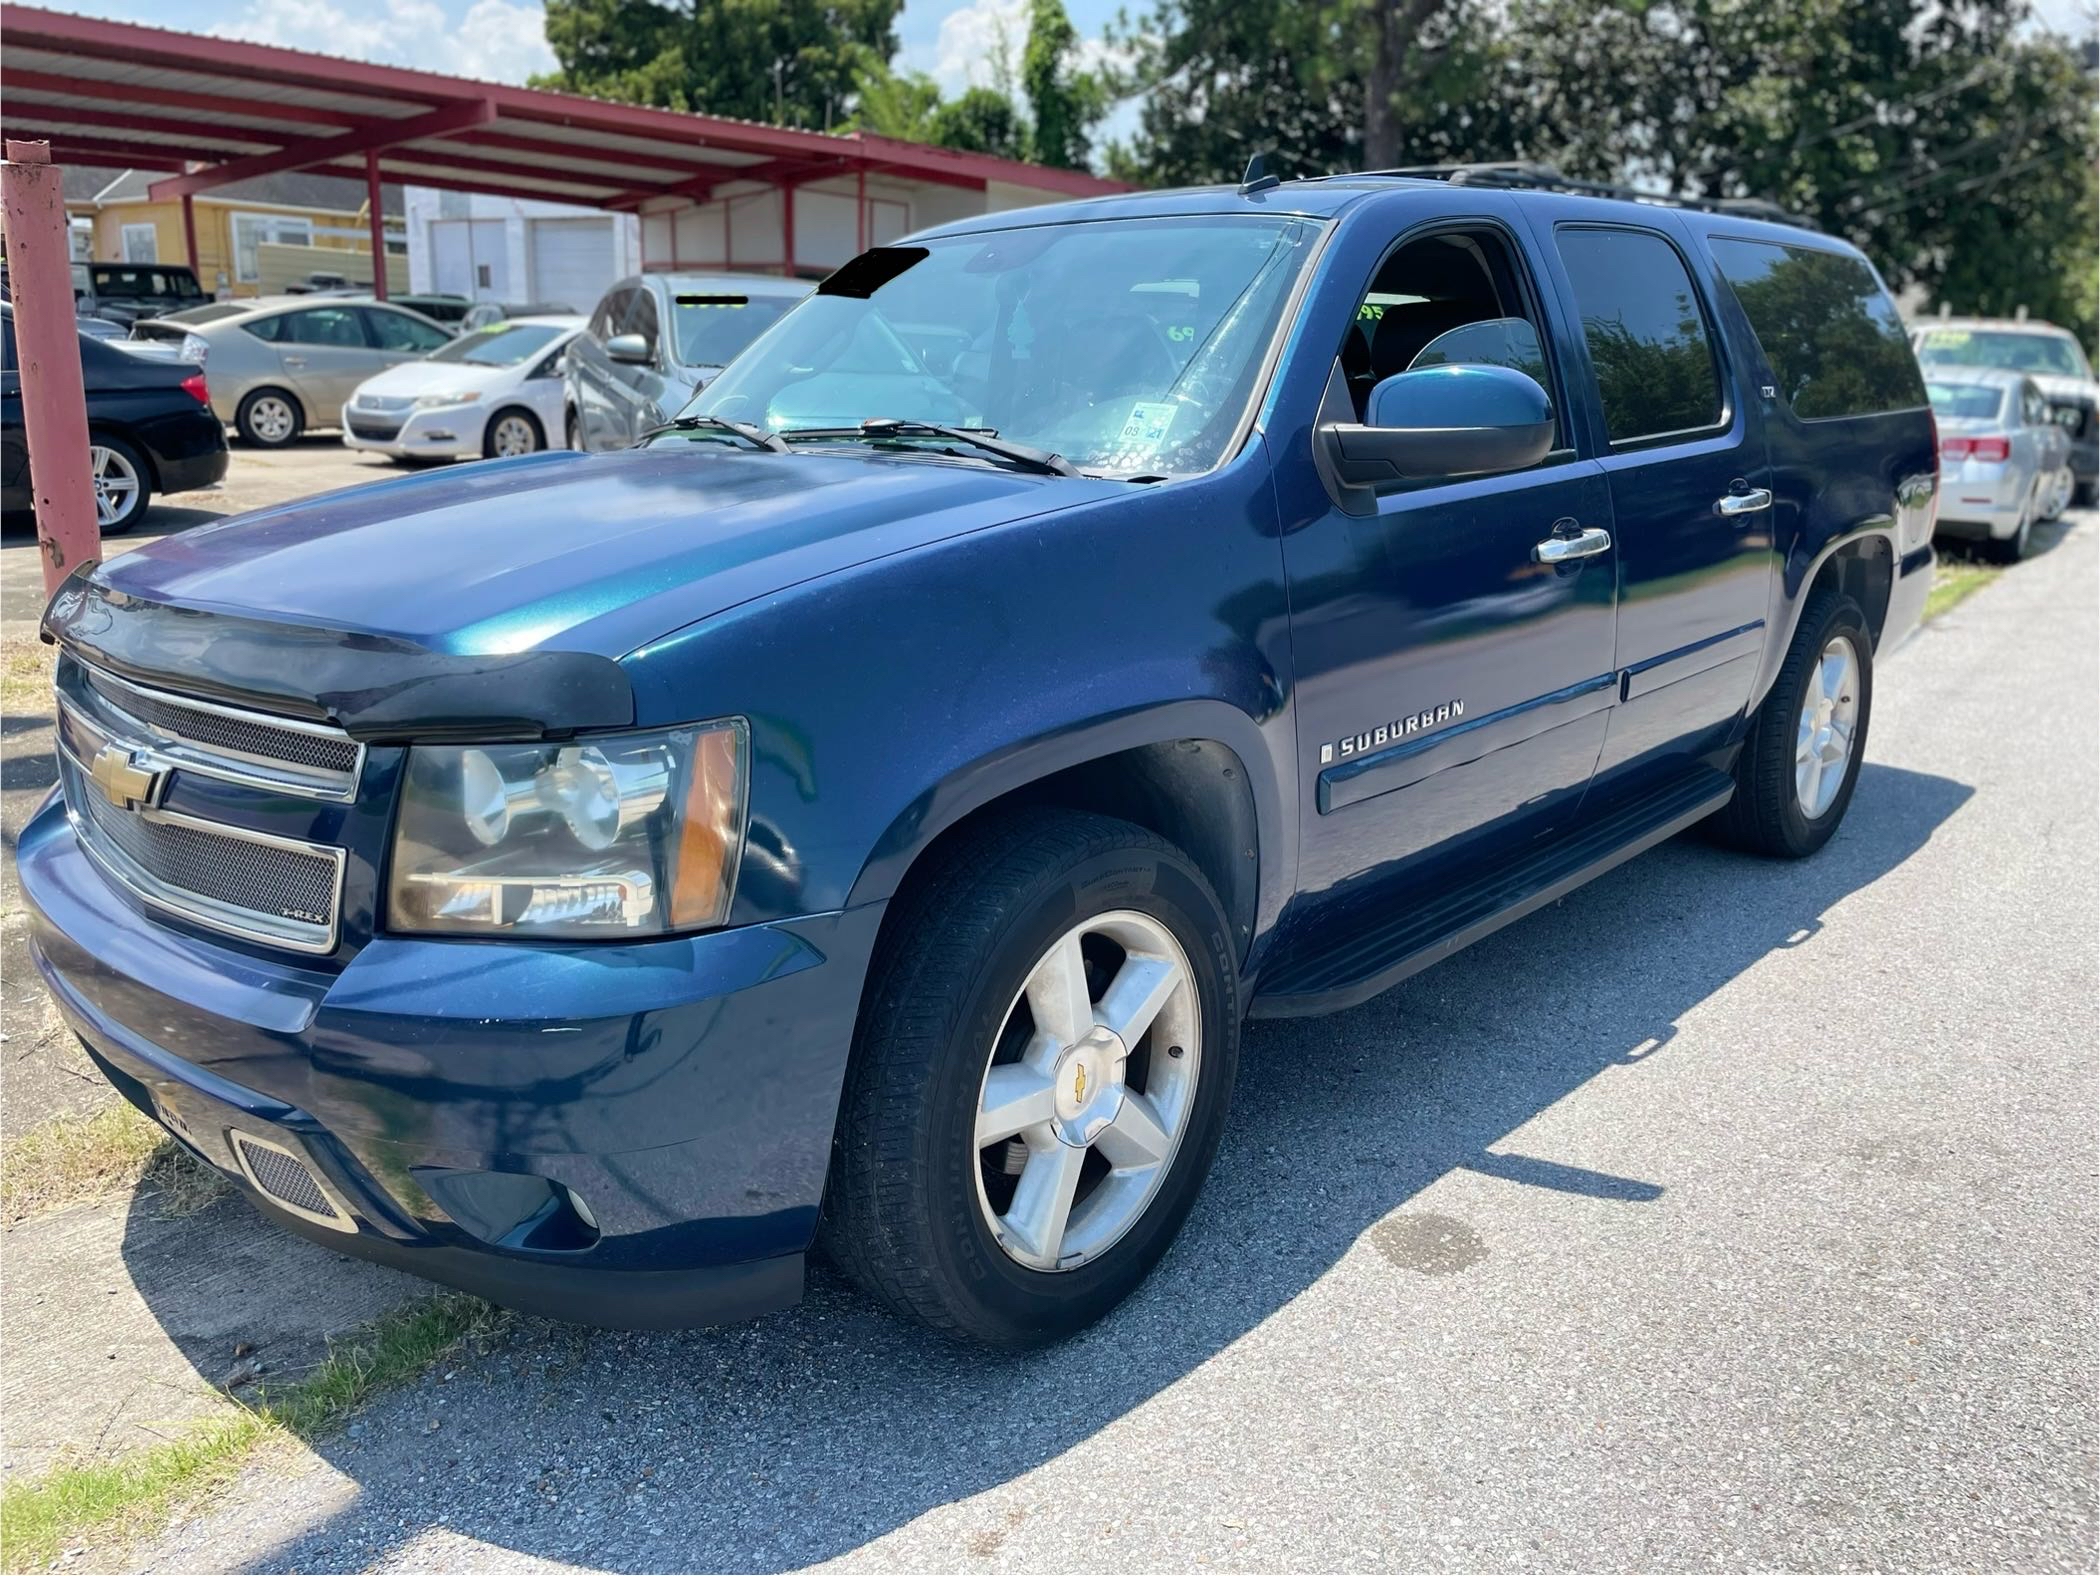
[572, 552]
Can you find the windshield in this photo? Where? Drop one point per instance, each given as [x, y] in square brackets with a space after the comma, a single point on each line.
[499, 345]
[145, 282]
[2054, 355]
[709, 329]
[1128, 346]
[1966, 401]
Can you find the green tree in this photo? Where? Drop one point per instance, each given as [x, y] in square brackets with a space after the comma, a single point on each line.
[789, 62]
[981, 120]
[1064, 101]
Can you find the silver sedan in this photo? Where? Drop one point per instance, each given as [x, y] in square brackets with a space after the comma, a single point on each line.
[2005, 458]
[278, 366]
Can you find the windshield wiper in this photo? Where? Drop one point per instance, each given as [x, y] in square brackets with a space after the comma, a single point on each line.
[980, 438]
[751, 433]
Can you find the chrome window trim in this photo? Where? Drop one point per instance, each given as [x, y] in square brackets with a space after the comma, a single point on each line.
[249, 924]
[176, 752]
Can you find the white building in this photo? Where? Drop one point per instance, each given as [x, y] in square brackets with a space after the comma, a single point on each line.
[516, 249]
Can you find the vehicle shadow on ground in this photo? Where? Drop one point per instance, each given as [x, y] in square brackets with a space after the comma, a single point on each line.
[803, 1436]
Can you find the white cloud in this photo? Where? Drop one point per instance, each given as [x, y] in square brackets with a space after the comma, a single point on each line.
[496, 40]
[965, 51]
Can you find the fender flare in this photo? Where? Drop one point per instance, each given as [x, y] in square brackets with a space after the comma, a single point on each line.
[1797, 575]
[1003, 772]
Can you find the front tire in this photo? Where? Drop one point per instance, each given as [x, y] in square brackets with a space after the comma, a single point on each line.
[511, 432]
[1800, 763]
[1040, 1077]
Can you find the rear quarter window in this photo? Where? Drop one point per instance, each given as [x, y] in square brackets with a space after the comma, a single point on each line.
[1827, 327]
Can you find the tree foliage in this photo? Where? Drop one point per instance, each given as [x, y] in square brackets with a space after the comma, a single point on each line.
[1064, 101]
[790, 62]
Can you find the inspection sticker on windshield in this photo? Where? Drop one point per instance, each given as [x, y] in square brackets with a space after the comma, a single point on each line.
[1145, 428]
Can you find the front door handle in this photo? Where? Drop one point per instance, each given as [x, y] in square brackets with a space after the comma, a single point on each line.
[1746, 502]
[1582, 544]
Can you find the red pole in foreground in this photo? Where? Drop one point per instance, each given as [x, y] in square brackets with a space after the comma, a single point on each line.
[378, 221]
[47, 350]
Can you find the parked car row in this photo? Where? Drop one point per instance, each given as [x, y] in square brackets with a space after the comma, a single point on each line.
[2019, 419]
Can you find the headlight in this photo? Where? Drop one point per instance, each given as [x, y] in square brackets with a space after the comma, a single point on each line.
[440, 401]
[630, 834]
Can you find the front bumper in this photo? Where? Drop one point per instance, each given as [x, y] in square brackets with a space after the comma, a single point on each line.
[451, 432]
[454, 1099]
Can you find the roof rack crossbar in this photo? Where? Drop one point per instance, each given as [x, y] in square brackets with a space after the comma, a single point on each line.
[1527, 175]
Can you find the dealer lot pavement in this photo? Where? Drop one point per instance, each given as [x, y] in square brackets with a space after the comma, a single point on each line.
[1724, 1214]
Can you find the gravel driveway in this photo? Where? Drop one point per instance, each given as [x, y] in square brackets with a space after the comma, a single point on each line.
[1726, 1214]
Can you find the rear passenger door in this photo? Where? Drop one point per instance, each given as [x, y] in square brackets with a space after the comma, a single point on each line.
[325, 356]
[1682, 444]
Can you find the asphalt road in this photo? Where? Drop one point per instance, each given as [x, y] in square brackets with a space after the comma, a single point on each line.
[1725, 1215]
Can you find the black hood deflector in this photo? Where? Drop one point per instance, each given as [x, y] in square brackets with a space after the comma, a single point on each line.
[376, 688]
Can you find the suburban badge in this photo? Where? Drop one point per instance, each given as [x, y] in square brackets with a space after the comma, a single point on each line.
[1392, 732]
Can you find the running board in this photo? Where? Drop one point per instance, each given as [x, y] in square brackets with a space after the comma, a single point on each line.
[1389, 950]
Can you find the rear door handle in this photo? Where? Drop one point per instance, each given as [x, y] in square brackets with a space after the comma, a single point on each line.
[295, 361]
[1749, 502]
[1582, 544]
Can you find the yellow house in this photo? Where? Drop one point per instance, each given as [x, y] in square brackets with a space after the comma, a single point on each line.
[253, 237]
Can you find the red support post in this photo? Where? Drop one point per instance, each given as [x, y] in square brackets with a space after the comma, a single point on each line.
[860, 210]
[47, 352]
[189, 236]
[378, 224]
[787, 230]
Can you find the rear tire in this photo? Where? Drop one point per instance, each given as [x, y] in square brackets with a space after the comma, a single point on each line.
[940, 1226]
[123, 483]
[269, 418]
[1811, 725]
[2013, 548]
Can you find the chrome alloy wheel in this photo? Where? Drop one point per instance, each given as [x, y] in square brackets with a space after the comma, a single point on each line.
[1829, 722]
[116, 485]
[271, 417]
[511, 437]
[1089, 1089]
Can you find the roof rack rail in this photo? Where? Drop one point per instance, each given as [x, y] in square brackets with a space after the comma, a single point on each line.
[1531, 176]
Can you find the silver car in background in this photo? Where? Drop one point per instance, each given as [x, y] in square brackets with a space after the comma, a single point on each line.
[655, 341]
[2005, 457]
[280, 365]
[2052, 356]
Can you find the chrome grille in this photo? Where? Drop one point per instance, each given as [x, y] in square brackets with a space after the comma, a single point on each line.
[286, 1178]
[264, 751]
[266, 889]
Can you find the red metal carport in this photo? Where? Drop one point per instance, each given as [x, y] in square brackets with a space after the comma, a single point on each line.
[211, 111]
[214, 110]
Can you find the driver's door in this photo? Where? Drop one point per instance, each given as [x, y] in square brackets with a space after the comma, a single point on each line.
[1452, 688]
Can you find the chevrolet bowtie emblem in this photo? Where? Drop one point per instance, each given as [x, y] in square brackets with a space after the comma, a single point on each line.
[1079, 1085]
[123, 781]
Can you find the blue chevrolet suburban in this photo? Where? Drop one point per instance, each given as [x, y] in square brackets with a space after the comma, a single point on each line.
[862, 816]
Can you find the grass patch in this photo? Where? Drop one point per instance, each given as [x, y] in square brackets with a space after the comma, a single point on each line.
[71, 1158]
[1955, 580]
[26, 665]
[43, 1516]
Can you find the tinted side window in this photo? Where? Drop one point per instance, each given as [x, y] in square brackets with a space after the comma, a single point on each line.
[1648, 342]
[641, 319]
[392, 331]
[604, 321]
[270, 328]
[1828, 328]
[322, 325]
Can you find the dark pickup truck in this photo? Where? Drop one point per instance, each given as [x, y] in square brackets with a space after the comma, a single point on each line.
[866, 812]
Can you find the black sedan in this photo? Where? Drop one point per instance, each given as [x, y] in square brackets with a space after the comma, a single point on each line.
[150, 429]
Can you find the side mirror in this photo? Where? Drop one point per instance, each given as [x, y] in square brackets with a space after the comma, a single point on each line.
[1460, 420]
[630, 348]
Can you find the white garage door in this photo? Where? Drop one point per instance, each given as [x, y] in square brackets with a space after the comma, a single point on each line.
[468, 258]
[572, 261]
